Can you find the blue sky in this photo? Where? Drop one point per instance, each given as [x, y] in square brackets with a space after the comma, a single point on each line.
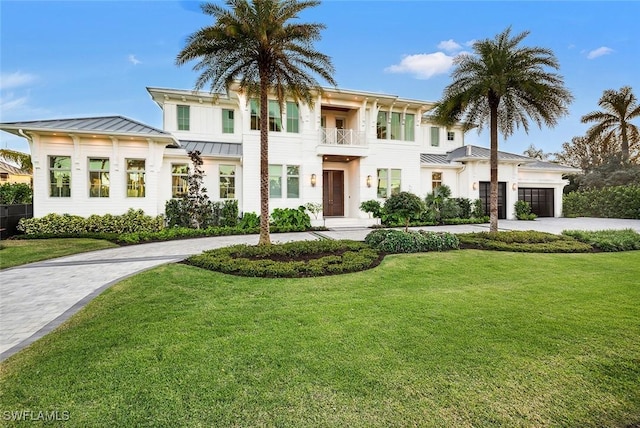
[93, 58]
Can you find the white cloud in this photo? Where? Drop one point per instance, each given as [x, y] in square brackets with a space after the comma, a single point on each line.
[449, 45]
[423, 66]
[10, 103]
[133, 60]
[470, 43]
[599, 52]
[14, 80]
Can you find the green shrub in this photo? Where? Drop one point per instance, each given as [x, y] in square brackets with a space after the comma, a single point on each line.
[249, 221]
[65, 224]
[372, 207]
[284, 218]
[473, 220]
[15, 193]
[314, 208]
[523, 241]
[608, 240]
[397, 241]
[403, 206]
[608, 202]
[465, 207]
[293, 259]
[228, 213]
[523, 211]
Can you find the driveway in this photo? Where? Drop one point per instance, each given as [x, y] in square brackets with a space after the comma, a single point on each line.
[38, 297]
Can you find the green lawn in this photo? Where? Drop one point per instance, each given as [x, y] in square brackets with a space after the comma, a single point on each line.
[19, 252]
[463, 338]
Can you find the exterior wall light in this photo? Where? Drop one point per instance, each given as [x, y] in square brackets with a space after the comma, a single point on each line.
[514, 186]
[475, 185]
[368, 181]
[313, 180]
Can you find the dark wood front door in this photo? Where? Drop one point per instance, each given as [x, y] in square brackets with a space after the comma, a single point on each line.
[333, 193]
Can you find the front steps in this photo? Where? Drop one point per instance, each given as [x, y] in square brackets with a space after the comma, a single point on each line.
[345, 222]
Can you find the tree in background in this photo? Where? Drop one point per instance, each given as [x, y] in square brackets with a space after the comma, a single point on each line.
[505, 85]
[536, 153]
[585, 153]
[612, 125]
[256, 44]
[23, 160]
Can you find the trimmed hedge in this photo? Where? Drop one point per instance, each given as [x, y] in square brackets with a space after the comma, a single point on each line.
[66, 224]
[290, 260]
[608, 202]
[608, 240]
[523, 241]
[397, 241]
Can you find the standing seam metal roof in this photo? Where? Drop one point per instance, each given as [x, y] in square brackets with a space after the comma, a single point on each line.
[105, 124]
[213, 148]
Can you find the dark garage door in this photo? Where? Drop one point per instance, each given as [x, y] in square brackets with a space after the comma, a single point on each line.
[540, 199]
[485, 196]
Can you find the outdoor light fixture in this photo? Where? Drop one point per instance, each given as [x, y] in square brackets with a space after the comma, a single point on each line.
[475, 185]
[514, 186]
[368, 181]
[313, 180]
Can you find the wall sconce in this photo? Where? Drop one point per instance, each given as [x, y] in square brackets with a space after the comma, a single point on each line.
[368, 181]
[475, 185]
[313, 180]
[514, 186]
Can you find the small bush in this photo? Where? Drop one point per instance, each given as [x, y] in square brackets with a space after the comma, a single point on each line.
[296, 220]
[249, 221]
[523, 211]
[396, 241]
[523, 241]
[15, 193]
[372, 207]
[608, 240]
[293, 259]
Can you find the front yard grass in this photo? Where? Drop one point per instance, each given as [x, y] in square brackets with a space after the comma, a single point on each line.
[462, 338]
[19, 252]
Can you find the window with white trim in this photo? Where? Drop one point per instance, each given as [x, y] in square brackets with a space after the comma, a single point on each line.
[227, 121]
[293, 181]
[381, 125]
[389, 182]
[293, 117]
[451, 136]
[227, 181]
[183, 118]
[135, 178]
[409, 127]
[436, 180]
[60, 176]
[99, 177]
[435, 136]
[179, 180]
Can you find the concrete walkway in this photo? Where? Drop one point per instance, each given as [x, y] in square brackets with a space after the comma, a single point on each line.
[38, 297]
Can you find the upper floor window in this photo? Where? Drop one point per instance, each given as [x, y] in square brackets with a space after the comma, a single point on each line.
[183, 118]
[255, 115]
[381, 125]
[389, 182]
[227, 121]
[396, 125]
[60, 176]
[179, 180]
[275, 119]
[227, 181]
[409, 127]
[435, 136]
[293, 117]
[135, 178]
[451, 136]
[99, 177]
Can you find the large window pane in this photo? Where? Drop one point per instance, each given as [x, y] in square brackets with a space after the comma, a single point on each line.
[293, 181]
[135, 178]
[60, 176]
[435, 136]
[409, 127]
[179, 180]
[99, 177]
[292, 117]
[275, 181]
[227, 121]
[381, 126]
[396, 177]
[395, 126]
[227, 181]
[383, 181]
[275, 119]
[183, 118]
[255, 115]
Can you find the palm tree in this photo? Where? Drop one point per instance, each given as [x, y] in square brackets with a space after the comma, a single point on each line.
[255, 44]
[614, 123]
[506, 85]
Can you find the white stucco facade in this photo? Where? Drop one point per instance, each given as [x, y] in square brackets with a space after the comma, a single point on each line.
[349, 147]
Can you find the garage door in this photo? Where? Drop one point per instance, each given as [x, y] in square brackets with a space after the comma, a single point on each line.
[485, 195]
[540, 199]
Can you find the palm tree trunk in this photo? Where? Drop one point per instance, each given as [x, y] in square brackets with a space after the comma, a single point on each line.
[625, 144]
[493, 162]
[264, 163]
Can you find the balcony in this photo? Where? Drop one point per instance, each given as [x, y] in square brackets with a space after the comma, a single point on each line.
[347, 137]
[346, 142]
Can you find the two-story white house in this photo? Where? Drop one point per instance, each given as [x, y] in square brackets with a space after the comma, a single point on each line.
[348, 147]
